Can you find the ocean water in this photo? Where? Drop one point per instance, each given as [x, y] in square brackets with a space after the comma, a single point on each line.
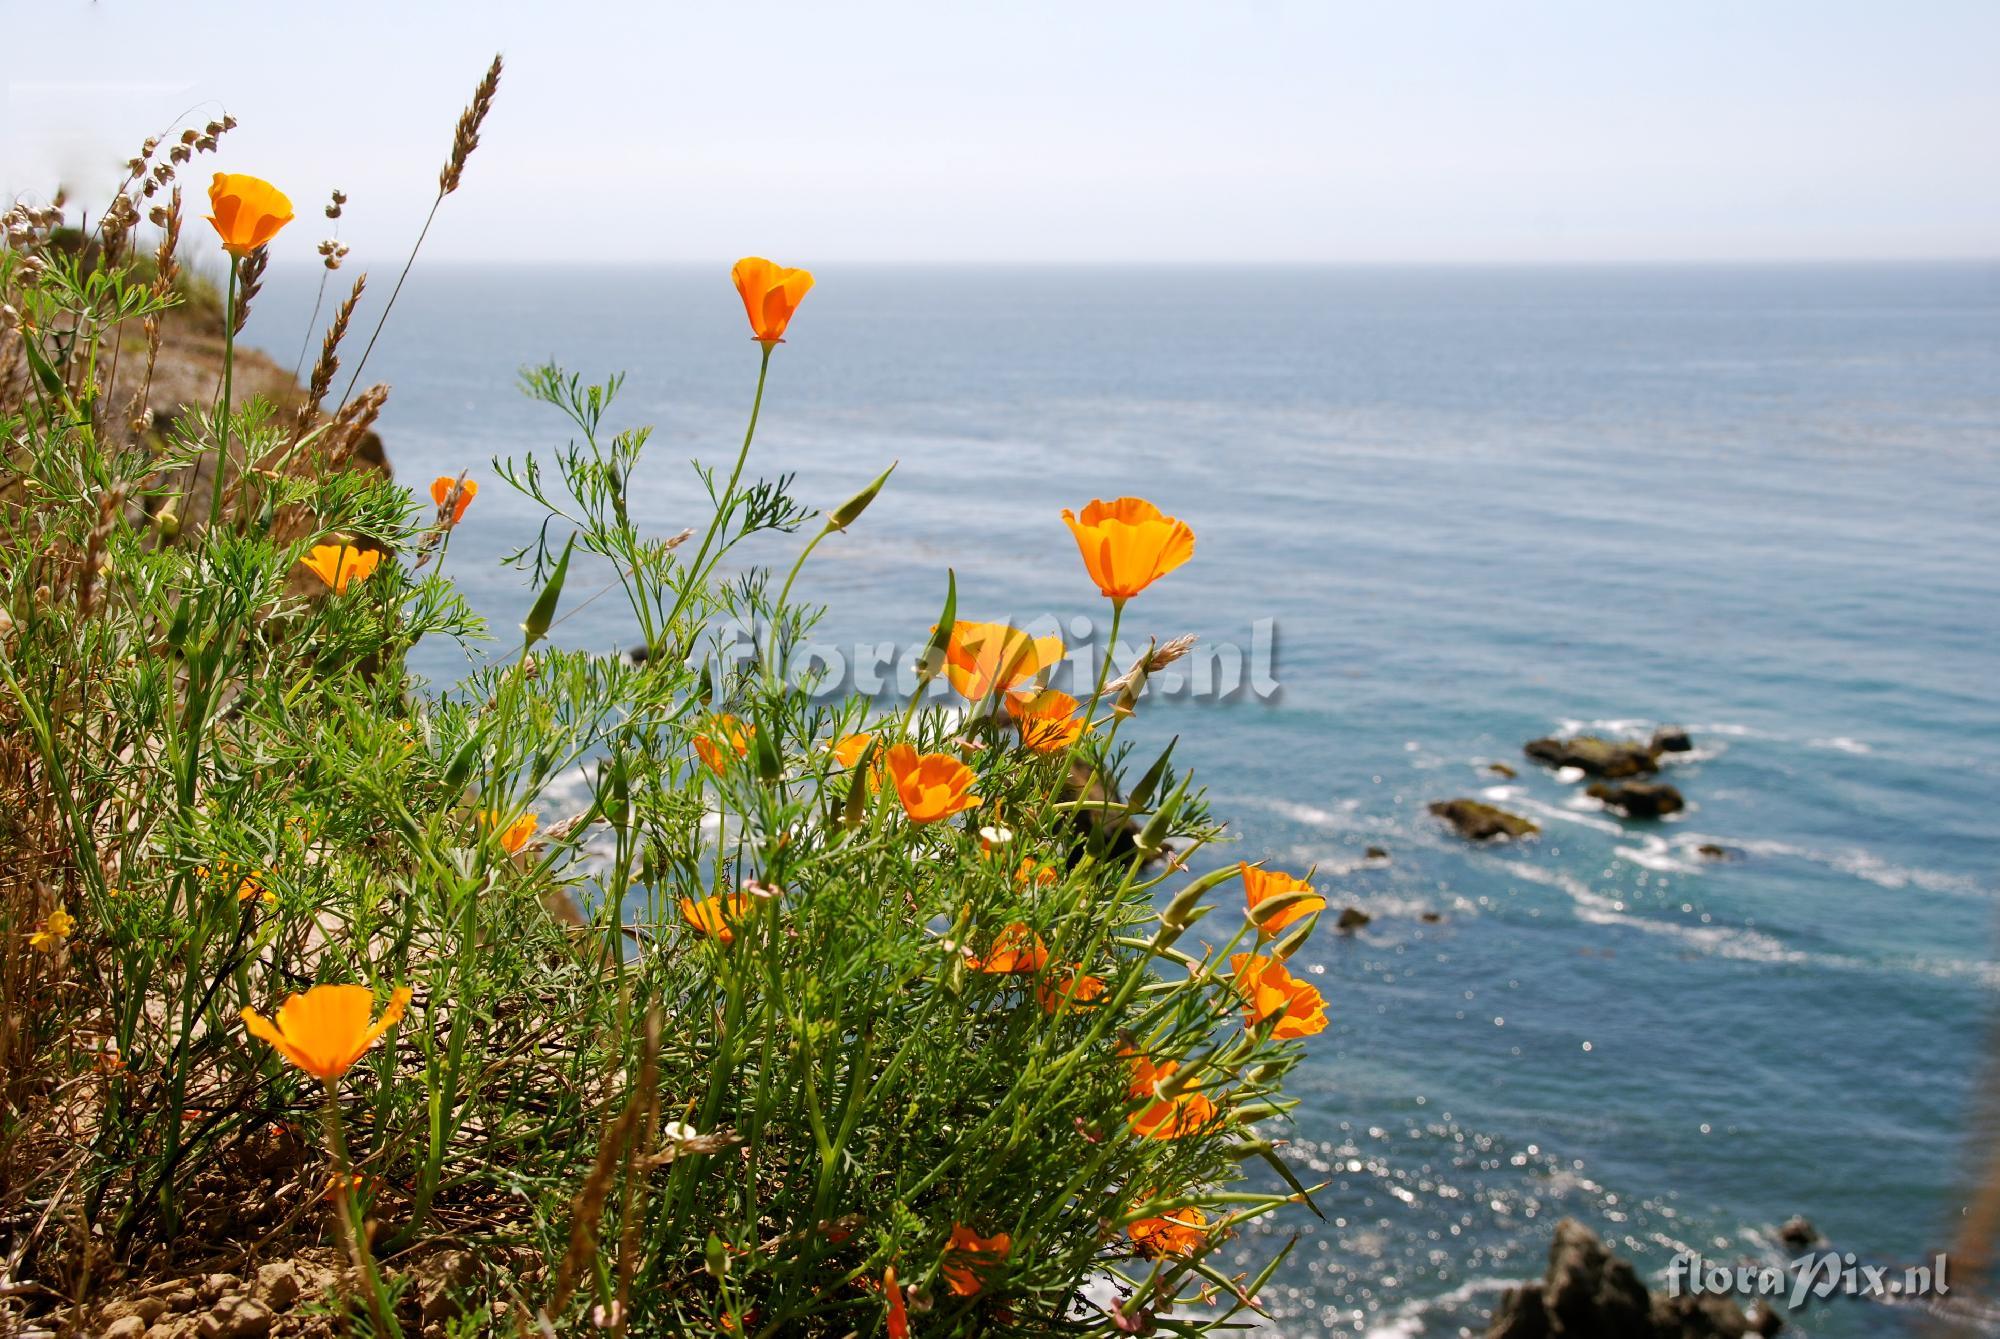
[1478, 506]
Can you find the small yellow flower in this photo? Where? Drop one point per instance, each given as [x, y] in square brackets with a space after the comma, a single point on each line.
[54, 929]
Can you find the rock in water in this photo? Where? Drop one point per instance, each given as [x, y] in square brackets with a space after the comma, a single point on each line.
[1351, 919]
[1798, 1232]
[1501, 769]
[1638, 799]
[1482, 822]
[1589, 1293]
[1672, 739]
[1375, 853]
[1713, 852]
[1610, 758]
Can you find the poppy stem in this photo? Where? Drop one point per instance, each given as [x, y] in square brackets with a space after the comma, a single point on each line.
[351, 1225]
[228, 394]
[1104, 669]
[778, 609]
[722, 508]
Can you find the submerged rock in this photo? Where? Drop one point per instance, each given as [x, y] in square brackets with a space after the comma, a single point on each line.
[1482, 822]
[1431, 917]
[1638, 799]
[1375, 853]
[1611, 758]
[1713, 852]
[1589, 1293]
[1351, 919]
[1672, 739]
[1798, 1232]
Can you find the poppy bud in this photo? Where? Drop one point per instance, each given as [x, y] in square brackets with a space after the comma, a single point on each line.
[769, 765]
[544, 611]
[933, 658]
[856, 807]
[850, 511]
[1154, 835]
[1291, 943]
[1263, 912]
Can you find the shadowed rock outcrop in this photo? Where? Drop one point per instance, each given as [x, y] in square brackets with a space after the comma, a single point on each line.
[1638, 799]
[1482, 822]
[1609, 758]
[1589, 1293]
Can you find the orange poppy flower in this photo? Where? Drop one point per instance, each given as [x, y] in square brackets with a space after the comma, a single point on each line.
[931, 785]
[899, 1314]
[1269, 991]
[325, 1030]
[441, 488]
[514, 835]
[1033, 871]
[340, 565]
[1058, 997]
[1048, 719]
[1260, 885]
[1186, 1112]
[1127, 544]
[970, 1260]
[771, 293]
[248, 211]
[1180, 1233]
[724, 729]
[847, 752]
[1015, 949]
[355, 1180]
[713, 916]
[982, 658]
[249, 886]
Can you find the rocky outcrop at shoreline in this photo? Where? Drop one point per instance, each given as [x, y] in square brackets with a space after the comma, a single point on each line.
[1595, 755]
[1638, 799]
[1482, 822]
[1589, 1293]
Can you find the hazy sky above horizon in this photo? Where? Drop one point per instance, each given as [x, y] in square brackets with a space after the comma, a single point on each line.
[1261, 130]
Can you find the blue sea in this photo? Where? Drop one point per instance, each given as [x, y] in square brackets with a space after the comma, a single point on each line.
[1477, 506]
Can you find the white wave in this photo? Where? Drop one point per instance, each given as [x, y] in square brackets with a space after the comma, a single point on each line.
[1630, 725]
[1407, 1320]
[1746, 945]
[1569, 776]
[1311, 815]
[1564, 814]
[1660, 855]
[1840, 744]
[1856, 861]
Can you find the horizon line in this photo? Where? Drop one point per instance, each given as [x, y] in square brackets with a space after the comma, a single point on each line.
[1665, 262]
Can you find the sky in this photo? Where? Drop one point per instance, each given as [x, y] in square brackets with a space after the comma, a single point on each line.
[1090, 131]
